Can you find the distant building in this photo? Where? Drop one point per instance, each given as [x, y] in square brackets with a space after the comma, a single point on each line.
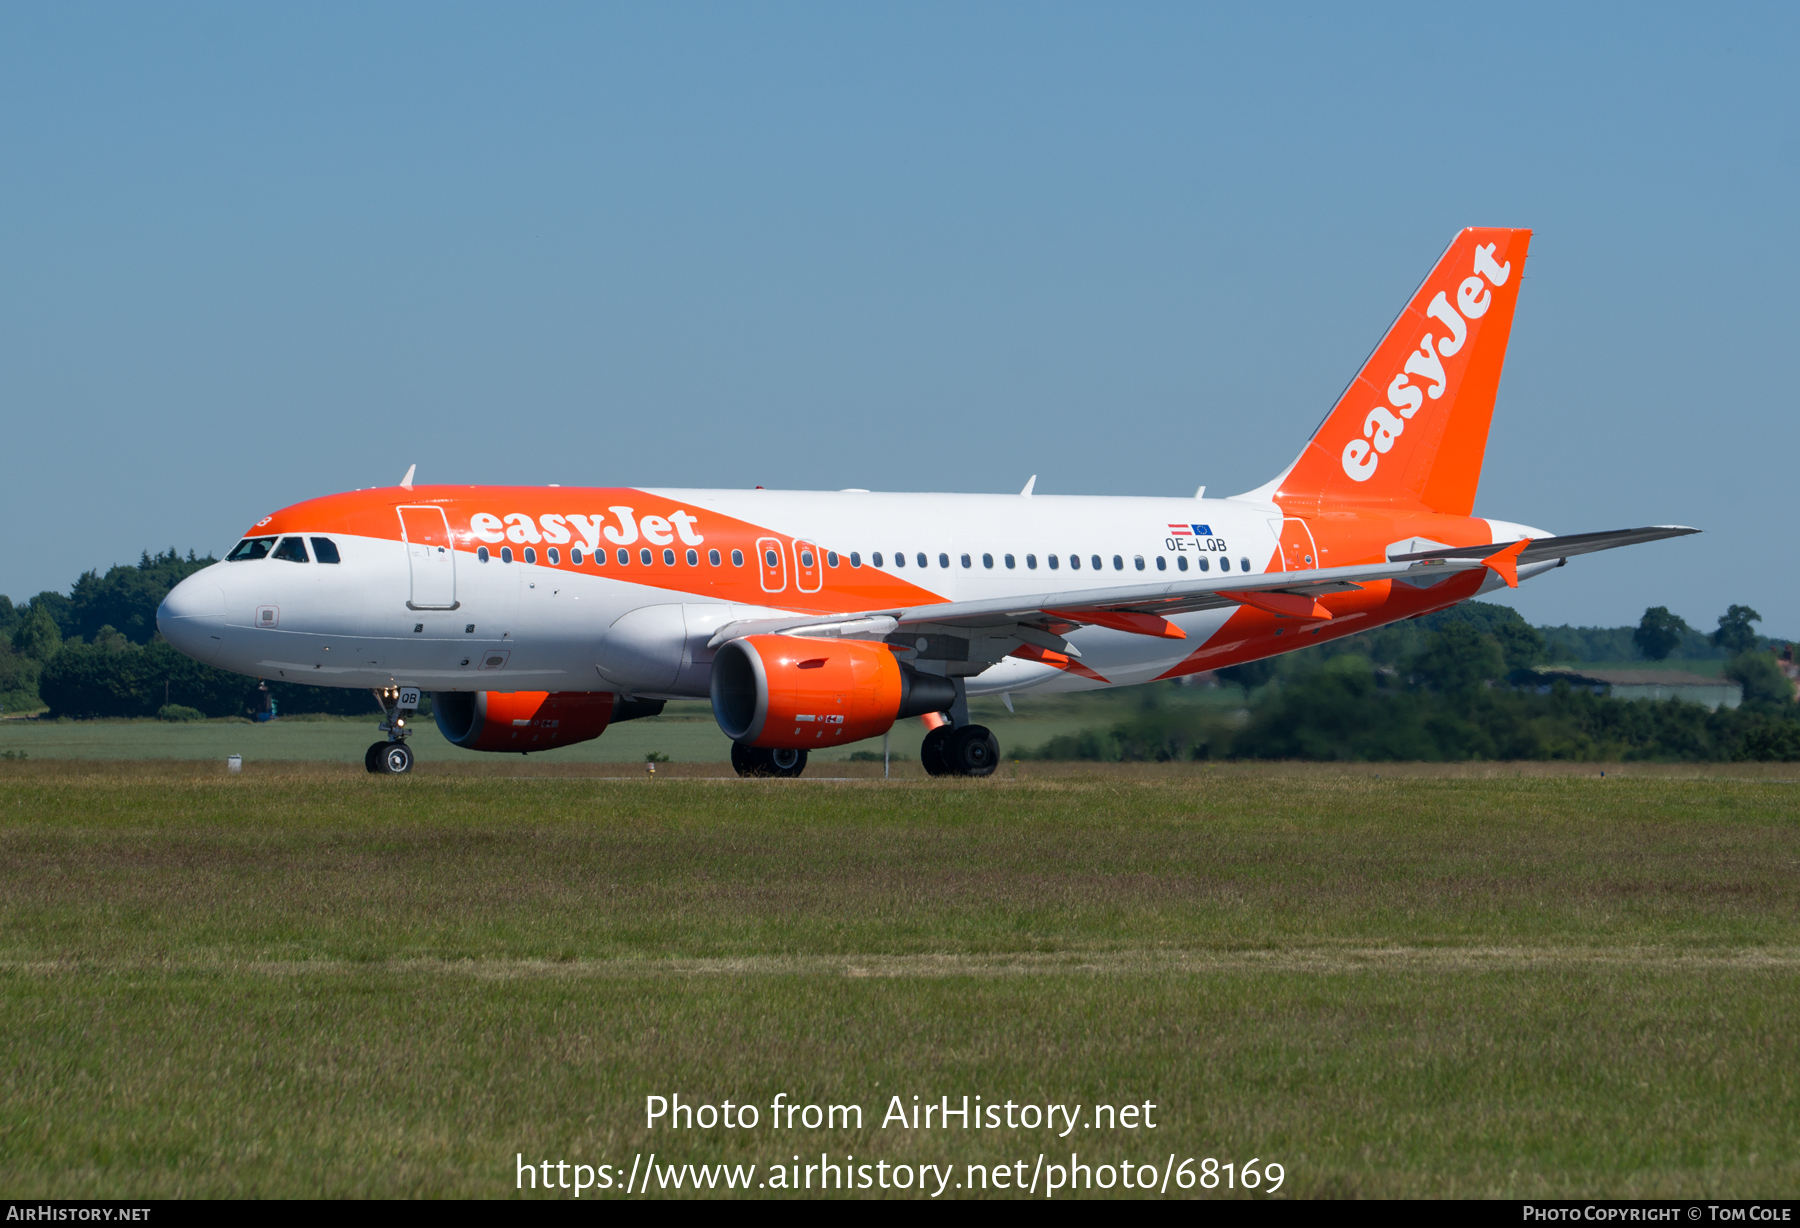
[1646, 684]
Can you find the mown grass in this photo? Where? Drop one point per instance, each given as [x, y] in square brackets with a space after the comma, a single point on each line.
[317, 982]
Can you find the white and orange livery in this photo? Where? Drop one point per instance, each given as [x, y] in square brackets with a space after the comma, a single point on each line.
[537, 615]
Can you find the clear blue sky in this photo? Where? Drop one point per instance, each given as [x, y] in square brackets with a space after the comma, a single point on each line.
[252, 254]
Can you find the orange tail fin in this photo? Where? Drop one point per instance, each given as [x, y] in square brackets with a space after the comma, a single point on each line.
[1411, 429]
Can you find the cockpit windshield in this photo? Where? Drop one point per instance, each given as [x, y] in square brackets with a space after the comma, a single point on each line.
[250, 548]
[291, 550]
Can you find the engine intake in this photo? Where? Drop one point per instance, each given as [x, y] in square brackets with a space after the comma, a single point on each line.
[525, 721]
[777, 691]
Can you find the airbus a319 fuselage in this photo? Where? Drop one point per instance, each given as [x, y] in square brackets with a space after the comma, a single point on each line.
[536, 616]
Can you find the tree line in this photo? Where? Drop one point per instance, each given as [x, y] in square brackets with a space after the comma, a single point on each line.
[95, 651]
[1464, 684]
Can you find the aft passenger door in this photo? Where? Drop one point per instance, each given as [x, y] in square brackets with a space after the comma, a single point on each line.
[431, 556]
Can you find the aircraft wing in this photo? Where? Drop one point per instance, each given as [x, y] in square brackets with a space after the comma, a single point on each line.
[1043, 619]
[1138, 608]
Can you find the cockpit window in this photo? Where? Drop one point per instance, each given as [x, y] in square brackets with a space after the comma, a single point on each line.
[250, 548]
[291, 550]
[325, 550]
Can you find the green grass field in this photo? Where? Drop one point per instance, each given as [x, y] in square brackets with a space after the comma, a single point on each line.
[304, 980]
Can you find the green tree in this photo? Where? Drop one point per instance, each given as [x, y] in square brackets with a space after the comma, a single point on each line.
[1456, 659]
[1659, 633]
[1766, 688]
[18, 678]
[9, 616]
[37, 635]
[60, 609]
[1250, 675]
[126, 597]
[1735, 634]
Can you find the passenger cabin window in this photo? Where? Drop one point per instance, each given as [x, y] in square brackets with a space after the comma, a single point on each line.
[506, 554]
[1181, 561]
[737, 558]
[712, 556]
[668, 558]
[944, 561]
[1074, 562]
[481, 552]
[291, 550]
[250, 548]
[899, 558]
[531, 556]
[877, 558]
[1009, 562]
[1204, 565]
[806, 558]
[920, 557]
[1138, 560]
[771, 559]
[1031, 562]
[693, 557]
[624, 558]
[555, 556]
[856, 558]
[325, 550]
[1162, 564]
[575, 555]
[644, 555]
[1243, 564]
[1055, 562]
[831, 558]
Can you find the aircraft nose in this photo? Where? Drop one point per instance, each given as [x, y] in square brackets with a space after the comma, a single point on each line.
[192, 617]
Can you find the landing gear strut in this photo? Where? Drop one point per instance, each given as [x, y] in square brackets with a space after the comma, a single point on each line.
[756, 761]
[393, 757]
[959, 748]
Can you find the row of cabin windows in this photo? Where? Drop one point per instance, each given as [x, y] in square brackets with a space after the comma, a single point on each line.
[290, 550]
[646, 557]
[1054, 561]
[772, 559]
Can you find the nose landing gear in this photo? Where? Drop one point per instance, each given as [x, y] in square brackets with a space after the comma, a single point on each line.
[393, 757]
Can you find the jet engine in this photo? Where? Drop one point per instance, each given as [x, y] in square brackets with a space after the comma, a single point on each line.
[525, 721]
[786, 691]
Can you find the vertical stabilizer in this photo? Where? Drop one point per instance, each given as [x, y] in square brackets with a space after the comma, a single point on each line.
[1411, 429]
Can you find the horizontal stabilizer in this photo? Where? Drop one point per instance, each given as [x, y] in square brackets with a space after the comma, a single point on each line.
[1555, 547]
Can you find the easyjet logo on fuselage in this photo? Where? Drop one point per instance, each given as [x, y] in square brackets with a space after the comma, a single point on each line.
[1381, 429]
[550, 527]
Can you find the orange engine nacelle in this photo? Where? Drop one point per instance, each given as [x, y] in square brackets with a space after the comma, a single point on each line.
[521, 721]
[777, 691]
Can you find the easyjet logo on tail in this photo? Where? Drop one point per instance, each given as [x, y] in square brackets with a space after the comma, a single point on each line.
[523, 529]
[1381, 427]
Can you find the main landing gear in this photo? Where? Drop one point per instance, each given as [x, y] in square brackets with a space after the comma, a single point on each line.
[972, 750]
[393, 757]
[755, 761]
[958, 748]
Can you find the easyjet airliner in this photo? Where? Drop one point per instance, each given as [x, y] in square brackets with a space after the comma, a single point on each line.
[537, 616]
